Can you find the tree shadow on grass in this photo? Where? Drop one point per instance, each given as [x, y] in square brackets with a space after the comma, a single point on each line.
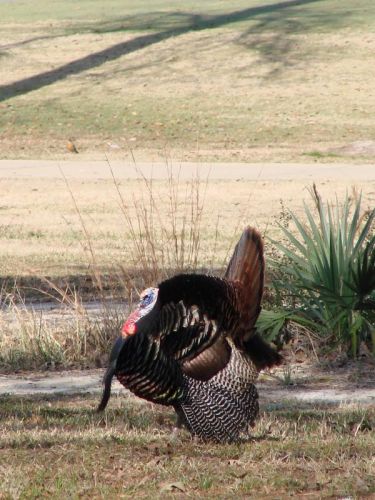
[273, 17]
[78, 66]
[25, 42]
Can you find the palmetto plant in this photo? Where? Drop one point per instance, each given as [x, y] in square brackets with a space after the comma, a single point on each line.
[330, 270]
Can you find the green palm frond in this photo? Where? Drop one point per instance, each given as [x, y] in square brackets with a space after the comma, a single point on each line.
[270, 323]
[363, 271]
[330, 270]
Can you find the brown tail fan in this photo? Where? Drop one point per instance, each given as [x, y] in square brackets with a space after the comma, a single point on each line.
[246, 268]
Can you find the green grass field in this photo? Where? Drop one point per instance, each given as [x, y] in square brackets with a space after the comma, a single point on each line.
[252, 81]
[58, 448]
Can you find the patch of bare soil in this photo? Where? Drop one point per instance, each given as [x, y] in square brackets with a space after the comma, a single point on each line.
[299, 383]
[336, 382]
[357, 148]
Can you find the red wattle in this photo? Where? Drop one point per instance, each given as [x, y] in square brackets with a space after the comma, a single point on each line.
[129, 327]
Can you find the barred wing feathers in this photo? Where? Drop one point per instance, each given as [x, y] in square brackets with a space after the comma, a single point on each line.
[148, 372]
[193, 314]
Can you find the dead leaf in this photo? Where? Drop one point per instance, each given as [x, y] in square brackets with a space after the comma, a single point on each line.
[239, 474]
[234, 461]
[176, 486]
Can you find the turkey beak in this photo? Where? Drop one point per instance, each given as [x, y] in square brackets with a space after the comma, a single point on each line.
[130, 327]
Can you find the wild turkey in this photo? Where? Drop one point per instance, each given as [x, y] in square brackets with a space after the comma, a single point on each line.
[191, 343]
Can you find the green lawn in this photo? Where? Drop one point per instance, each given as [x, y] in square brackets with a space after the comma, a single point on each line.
[314, 15]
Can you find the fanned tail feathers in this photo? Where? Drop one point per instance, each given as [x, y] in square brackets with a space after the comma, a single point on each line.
[247, 268]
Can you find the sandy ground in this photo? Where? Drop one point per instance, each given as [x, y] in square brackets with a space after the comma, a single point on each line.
[270, 391]
[351, 172]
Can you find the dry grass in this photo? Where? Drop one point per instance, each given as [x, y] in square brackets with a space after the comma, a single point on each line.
[68, 336]
[277, 84]
[41, 232]
[60, 448]
[109, 239]
[163, 230]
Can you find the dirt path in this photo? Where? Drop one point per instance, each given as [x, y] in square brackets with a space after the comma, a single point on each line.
[271, 392]
[158, 170]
